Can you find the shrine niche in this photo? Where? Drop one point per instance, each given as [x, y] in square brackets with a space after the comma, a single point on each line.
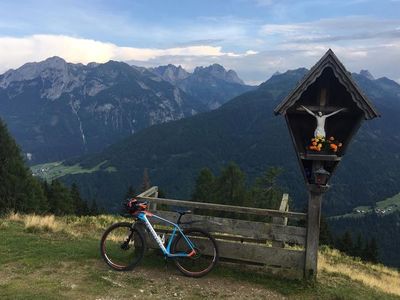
[323, 113]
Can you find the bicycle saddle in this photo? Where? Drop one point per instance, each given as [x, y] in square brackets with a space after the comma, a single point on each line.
[182, 211]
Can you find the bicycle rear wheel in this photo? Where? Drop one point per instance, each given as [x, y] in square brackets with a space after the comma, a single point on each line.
[206, 256]
[122, 246]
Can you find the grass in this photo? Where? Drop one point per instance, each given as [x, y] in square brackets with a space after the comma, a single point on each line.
[375, 276]
[54, 170]
[58, 258]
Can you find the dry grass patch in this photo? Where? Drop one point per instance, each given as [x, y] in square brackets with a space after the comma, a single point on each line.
[35, 223]
[375, 276]
[15, 217]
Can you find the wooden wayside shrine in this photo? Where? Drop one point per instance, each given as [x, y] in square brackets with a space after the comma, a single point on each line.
[274, 246]
[323, 113]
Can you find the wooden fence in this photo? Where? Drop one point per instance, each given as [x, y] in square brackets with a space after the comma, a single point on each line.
[275, 246]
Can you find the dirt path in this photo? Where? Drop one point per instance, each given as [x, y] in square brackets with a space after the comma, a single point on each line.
[168, 284]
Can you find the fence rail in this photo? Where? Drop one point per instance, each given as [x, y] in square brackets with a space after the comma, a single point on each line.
[242, 240]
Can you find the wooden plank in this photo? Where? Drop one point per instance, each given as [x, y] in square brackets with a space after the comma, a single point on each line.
[230, 208]
[247, 229]
[316, 156]
[284, 258]
[325, 110]
[275, 257]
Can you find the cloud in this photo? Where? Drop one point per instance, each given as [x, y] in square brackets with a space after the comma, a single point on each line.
[334, 30]
[16, 51]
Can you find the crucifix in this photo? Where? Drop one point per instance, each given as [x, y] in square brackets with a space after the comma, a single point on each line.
[320, 130]
[319, 116]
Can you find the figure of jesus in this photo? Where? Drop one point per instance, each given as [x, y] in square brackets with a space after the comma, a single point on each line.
[320, 130]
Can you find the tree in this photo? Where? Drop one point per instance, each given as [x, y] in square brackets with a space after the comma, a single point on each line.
[231, 187]
[325, 236]
[266, 193]
[19, 190]
[358, 247]
[80, 206]
[60, 200]
[94, 209]
[204, 190]
[146, 181]
[346, 243]
[130, 193]
[371, 251]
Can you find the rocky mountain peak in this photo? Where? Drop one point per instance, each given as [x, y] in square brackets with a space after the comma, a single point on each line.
[219, 72]
[32, 70]
[171, 73]
[367, 74]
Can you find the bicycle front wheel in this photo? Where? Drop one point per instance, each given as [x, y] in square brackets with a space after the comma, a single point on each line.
[122, 246]
[206, 252]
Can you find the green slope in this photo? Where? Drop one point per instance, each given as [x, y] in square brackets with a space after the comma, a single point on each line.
[54, 170]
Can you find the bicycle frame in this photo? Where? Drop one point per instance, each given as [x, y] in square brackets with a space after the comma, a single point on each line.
[166, 250]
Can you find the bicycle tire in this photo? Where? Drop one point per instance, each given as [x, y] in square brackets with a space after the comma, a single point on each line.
[206, 253]
[122, 246]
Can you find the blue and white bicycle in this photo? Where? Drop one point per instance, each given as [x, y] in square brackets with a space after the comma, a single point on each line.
[193, 250]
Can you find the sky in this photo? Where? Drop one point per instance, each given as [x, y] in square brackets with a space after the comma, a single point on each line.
[256, 38]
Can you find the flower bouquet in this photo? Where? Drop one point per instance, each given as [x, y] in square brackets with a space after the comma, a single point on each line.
[321, 144]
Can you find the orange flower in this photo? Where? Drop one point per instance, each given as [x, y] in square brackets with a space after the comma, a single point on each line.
[314, 143]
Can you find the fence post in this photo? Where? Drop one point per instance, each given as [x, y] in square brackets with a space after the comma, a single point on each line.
[281, 221]
[153, 205]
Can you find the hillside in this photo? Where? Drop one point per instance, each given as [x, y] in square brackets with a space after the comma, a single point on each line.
[380, 221]
[47, 258]
[245, 130]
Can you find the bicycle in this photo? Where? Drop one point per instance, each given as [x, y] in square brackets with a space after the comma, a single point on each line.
[193, 250]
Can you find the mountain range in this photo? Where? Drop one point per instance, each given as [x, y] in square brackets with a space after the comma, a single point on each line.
[57, 110]
[244, 130]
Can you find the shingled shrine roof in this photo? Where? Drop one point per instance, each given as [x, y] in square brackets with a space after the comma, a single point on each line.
[329, 60]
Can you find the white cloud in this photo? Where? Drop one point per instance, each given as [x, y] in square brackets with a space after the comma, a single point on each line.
[16, 51]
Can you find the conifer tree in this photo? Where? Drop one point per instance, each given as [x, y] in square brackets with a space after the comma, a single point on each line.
[347, 243]
[60, 200]
[266, 193]
[205, 187]
[130, 193]
[80, 206]
[94, 209]
[358, 247]
[231, 186]
[19, 190]
[146, 181]
[325, 236]
[371, 251]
